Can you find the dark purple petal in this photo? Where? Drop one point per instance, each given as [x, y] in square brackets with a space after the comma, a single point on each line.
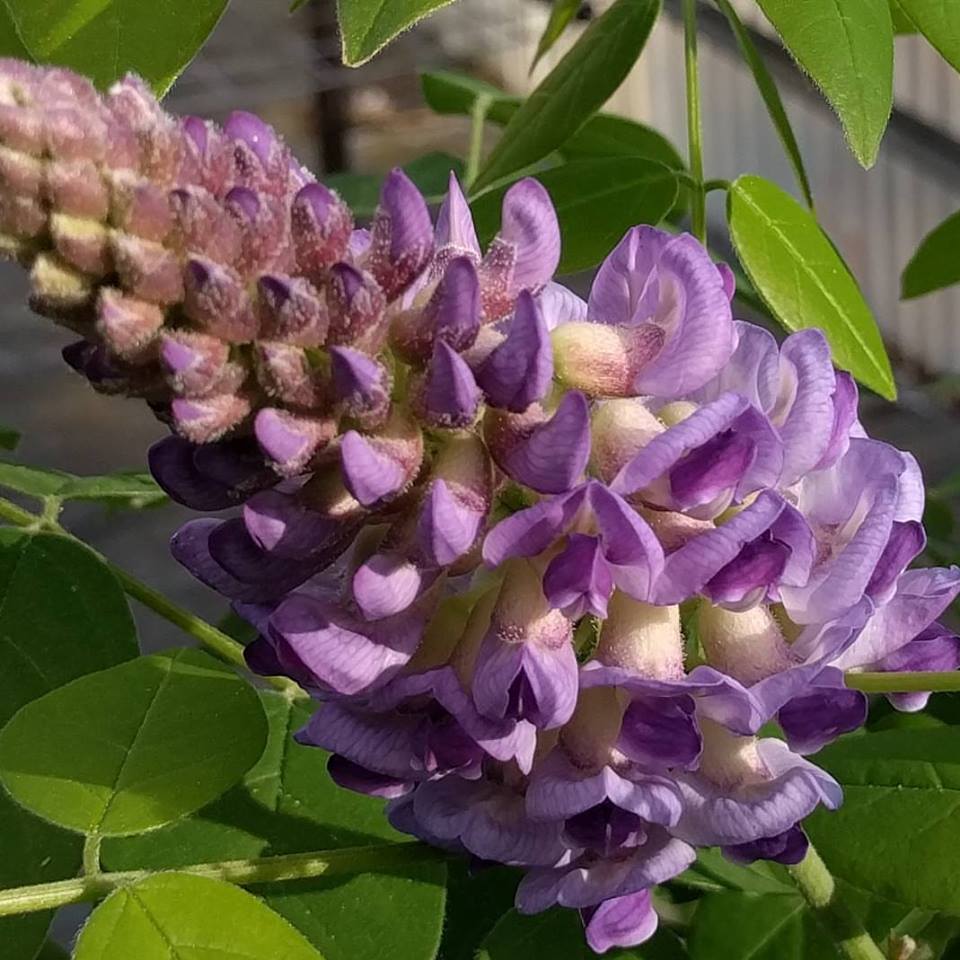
[578, 580]
[661, 732]
[813, 720]
[529, 532]
[451, 396]
[350, 776]
[788, 848]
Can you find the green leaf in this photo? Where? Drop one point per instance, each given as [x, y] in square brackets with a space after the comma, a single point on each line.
[129, 488]
[62, 615]
[558, 934]
[907, 778]
[8, 438]
[367, 26]
[847, 49]
[475, 902]
[288, 804]
[935, 264]
[761, 877]
[105, 39]
[901, 22]
[596, 201]
[361, 191]
[31, 851]
[179, 917]
[454, 93]
[771, 96]
[10, 44]
[574, 90]
[135, 746]
[51, 951]
[561, 13]
[801, 277]
[938, 21]
[749, 926]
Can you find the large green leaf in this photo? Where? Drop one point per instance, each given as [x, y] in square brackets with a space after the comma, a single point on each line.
[288, 804]
[603, 135]
[798, 272]
[31, 851]
[476, 900]
[935, 264]
[898, 831]
[574, 90]
[561, 13]
[847, 48]
[129, 488]
[179, 917]
[771, 96]
[713, 868]
[62, 615]
[938, 21]
[135, 746]
[105, 39]
[558, 934]
[750, 926]
[367, 26]
[52, 951]
[597, 201]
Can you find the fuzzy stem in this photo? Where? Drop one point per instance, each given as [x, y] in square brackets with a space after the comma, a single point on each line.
[296, 866]
[698, 197]
[216, 641]
[931, 681]
[819, 889]
[91, 854]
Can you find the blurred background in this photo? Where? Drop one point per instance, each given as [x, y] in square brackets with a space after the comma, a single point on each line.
[286, 68]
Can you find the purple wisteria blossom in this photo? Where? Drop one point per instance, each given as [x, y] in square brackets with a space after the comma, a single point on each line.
[547, 566]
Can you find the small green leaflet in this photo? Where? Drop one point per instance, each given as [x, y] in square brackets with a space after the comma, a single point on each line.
[130, 489]
[367, 26]
[105, 39]
[847, 49]
[561, 13]
[574, 90]
[62, 615]
[135, 746]
[935, 264]
[938, 21]
[597, 200]
[801, 277]
[176, 915]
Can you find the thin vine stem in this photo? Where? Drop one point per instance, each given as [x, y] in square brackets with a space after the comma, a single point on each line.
[698, 198]
[922, 680]
[819, 889]
[478, 118]
[214, 640]
[295, 866]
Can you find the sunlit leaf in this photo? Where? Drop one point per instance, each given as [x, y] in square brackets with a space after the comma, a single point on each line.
[367, 26]
[938, 21]
[129, 489]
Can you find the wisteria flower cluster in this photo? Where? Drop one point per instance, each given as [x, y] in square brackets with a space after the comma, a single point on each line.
[547, 566]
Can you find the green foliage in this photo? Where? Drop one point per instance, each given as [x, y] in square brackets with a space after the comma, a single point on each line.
[475, 902]
[288, 804]
[596, 200]
[361, 191]
[135, 746]
[897, 834]
[937, 20]
[771, 96]
[847, 49]
[127, 489]
[561, 13]
[935, 264]
[107, 38]
[798, 272]
[8, 438]
[175, 915]
[367, 26]
[62, 615]
[752, 926]
[574, 90]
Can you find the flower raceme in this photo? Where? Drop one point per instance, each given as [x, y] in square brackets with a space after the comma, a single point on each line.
[547, 566]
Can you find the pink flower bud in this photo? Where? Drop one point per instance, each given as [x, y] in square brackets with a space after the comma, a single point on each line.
[127, 325]
[291, 311]
[84, 244]
[216, 299]
[77, 187]
[57, 289]
[20, 173]
[320, 224]
[604, 360]
[261, 222]
[201, 225]
[199, 365]
[291, 441]
[22, 216]
[357, 307]
[139, 207]
[206, 420]
[21, 128]
[285, 373]
[147, 269]
[73, 134]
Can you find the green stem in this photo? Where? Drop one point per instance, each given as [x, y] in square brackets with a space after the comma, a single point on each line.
[698, 198]
[216, 641]
[922, 680]
[296, 866]
[819, 889]
[91, 854]
[478, 118]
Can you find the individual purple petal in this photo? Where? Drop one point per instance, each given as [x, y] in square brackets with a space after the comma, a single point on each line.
[448, 524]
[350, 776]
[290, 441]
[529, 532]
[753, 371]
[386, 584]
[559, 304]
[845, 401]
[281, 523]
[728, 279]
[911, 492]
[661, 732]
[605, 829]
[814, 719]
[935, 649]
[252, 131]
[360, 383]
[520, 370]
[624, 921]
[788, 848]
[451, 396]
[586, 882]
[578, 580]
[553, 457]
[455, 229]
[369, 473]
[907, 540]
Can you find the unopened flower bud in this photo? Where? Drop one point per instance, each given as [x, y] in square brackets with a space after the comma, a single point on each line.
[57, 289]
[78, 188]
[620, 429]
[320, 225]
[20, 173]
[206, 419]
[292, 311]
[199, 365]
[84, 244]
[361, 386]
[202, 226]
[291, 440]
[641, 638]
[146, 269]
[285, 372]
[128, 326]
[356, 304]
[449, 396]
[139, 207]
[215, 298]
[379, 466]
[749, 646]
